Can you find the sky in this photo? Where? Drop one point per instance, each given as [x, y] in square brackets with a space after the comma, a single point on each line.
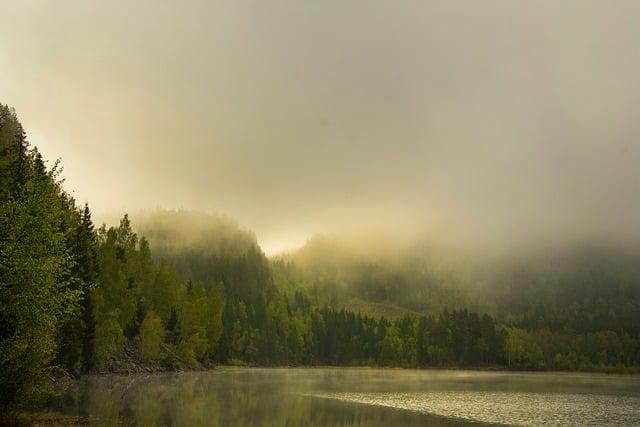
[488, 120]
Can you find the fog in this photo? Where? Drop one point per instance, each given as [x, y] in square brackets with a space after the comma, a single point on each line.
[352, 396]
[489, 121]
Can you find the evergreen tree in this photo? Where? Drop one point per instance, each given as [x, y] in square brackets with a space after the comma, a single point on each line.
[34, 264]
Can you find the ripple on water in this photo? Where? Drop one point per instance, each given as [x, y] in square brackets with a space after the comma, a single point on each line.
[525, 409]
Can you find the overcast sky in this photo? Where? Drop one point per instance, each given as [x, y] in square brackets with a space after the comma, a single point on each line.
[495, 118]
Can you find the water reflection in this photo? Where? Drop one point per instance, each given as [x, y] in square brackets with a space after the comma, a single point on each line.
[283, 397]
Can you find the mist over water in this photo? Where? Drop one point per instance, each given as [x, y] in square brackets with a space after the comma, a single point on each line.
[486, 122]
[411, 184]
[352, 396]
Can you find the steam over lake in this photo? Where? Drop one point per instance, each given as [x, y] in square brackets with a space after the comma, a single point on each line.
[351, 396]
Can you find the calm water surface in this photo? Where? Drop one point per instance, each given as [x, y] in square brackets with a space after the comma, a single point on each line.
[346, 397]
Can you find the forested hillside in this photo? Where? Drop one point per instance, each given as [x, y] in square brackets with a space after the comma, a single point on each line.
[579, 303]
[417, 276]
[181, 290]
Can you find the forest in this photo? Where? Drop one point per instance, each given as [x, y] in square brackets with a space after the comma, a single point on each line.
[180, 290]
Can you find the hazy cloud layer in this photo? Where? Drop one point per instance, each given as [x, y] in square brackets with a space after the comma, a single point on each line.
[495, 119]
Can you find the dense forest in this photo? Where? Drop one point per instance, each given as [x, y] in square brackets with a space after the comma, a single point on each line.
[194, 290]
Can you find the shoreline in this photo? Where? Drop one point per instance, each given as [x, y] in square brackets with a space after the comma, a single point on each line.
[484, 369]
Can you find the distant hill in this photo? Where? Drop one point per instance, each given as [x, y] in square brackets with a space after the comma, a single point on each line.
[584, 287]
[379, 271]
[178, 229]
[207, 248]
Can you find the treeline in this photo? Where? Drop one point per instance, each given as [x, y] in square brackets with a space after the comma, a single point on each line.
[41, 285]
[76, 298]
[568, 307]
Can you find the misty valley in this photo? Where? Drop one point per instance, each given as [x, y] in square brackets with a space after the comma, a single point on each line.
[191, 291]
[341, 213]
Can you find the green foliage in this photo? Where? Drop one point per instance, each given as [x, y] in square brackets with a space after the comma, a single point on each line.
[391, 347]
[152, 335]
[35, 294]
[214, 326]
[113, 292]
[522, 351]
[75, 335]
[108, 340]
[193, 318]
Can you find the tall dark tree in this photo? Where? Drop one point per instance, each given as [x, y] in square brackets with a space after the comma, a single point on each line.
[35, 295]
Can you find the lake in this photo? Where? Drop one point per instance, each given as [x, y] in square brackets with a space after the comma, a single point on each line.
[354, 396]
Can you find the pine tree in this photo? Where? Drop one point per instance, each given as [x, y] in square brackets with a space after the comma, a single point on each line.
[35, 296]
[86, 269]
